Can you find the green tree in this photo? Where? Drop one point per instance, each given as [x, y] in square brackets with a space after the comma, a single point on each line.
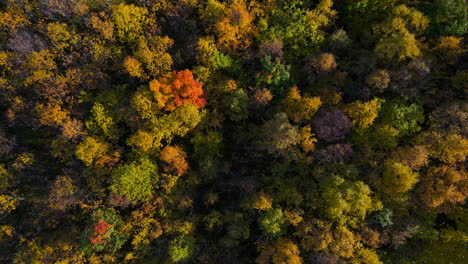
[181, 248]
[274, 76]
[347, 203]
[236, 105]
[271, 221]
[448, 18]
[101, 123]
[407, 119]
[135, 180]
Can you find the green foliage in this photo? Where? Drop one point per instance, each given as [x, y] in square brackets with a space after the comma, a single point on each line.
[135, 180]
[240, 131]
[448, 18]
[236, 105]
[111, 236]
[347, 203]
[407, 119]
[100, 123]
[298, 28]
[271, 221]
[382, 218]
[181, 248]
[274, 76]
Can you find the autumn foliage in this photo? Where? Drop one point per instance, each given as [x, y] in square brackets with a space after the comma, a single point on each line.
[176, 89]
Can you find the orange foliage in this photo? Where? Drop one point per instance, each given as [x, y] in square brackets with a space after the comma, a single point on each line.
[176, 89]
[174, 159]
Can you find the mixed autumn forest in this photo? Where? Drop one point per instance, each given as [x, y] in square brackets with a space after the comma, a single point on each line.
[233, 131]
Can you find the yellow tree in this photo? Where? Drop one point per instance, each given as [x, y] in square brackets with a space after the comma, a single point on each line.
[398, 33]
[299, 108]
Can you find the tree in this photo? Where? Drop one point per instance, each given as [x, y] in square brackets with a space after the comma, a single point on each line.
[274, 76]
[72, 129]
[153, 55]
[59, 35]
[52, 114]
[95, 152]
[144, 103]
[135, 180]
[282, 251]
[448, 18]
[332, 126]
[413, 157]
[450, 118]
[448, 148]
[133, 67]
[382, 137]
[405, 118]
[443, 186]
[323, 63]
[398, 33]
[164, 128]
[129, 21]
[300, 29]
[100, 123]
[278, 136]
[262, 97]
[176, 89]
[299, 107]
[236, 105]
[321, 236]
[174, 160]
[271, 221]
[379, 80]
[334, 153]
[397, 181]
[104, 231]
[382, 218]
[262, 201]
[62, 194]
[235, 28]
[347, 203]
[5, 179]
[181, 248]
[363, 114]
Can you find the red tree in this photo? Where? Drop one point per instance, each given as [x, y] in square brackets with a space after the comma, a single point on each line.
[176, 89]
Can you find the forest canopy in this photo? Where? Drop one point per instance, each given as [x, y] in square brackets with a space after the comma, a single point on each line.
[233, 131]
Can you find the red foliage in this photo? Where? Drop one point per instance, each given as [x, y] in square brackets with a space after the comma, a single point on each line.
[100, 228]
[178, 88]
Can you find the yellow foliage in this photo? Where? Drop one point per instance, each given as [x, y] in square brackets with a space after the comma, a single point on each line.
[59, 35]
[51, 114]
[363, 114]
[133, 67]
[7, 204]
[300, 108]
[129, 21]
[235, 30]
[308, 139]
[104, 27]
[449, 48]
[262, 201]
